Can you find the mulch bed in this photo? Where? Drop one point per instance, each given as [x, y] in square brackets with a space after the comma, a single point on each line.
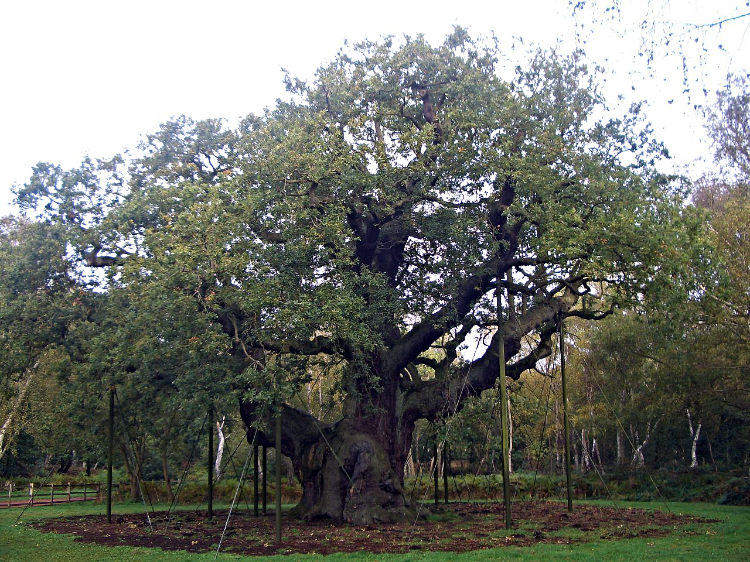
[458, 527]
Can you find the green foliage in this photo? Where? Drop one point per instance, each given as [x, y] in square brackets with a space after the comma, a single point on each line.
[45, 318]
[265, 230]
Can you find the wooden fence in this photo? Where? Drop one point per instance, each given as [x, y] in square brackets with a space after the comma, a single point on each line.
[48, 494]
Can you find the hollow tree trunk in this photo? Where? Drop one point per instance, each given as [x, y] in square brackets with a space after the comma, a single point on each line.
[351, 470]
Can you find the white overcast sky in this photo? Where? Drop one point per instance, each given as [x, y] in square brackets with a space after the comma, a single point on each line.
[92, 77]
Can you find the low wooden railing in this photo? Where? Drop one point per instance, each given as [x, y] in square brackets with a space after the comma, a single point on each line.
[48, 494]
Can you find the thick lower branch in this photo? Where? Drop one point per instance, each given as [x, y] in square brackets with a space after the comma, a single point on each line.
[298, 429]
[431, 398]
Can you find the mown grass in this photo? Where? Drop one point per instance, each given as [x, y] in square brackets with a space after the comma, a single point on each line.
[729, 539]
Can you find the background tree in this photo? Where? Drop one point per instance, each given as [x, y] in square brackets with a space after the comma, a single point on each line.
[43, 314]
[687, 353]
[725, 330]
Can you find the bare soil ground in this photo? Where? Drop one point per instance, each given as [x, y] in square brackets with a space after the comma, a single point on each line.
[458, 527]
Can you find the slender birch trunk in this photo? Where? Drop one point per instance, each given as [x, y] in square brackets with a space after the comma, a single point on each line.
[638, 458]
[409, 469]
[695, 434]
[585, 453]
[510, 438]
[596, 455]
[219, 447]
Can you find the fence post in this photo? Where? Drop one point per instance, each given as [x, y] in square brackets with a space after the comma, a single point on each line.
[51, 494]
[84, 491]
[10, 492]
[68, 492]
[31, 493]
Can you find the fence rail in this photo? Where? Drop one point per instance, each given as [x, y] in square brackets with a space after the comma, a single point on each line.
[35, 494]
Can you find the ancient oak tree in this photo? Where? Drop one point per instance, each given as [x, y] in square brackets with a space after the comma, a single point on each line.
[360, 228]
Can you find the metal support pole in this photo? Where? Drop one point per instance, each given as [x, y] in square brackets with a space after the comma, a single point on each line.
[435, 475]
[264, 464]
[445, 472]
[566, 421]
[210, 462]
[110, 451]
[255, 480]
[503, 406]
[278, 478]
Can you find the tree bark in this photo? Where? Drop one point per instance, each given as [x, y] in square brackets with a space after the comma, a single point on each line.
[219, 448]
[130, 472]
[638, 458]
[510, 438]
[409, 468]
[167, 479]
[350, 471]
[585, 453]
[695, 434]
[620, 437]
[164, 449]
[596, 455]
[289, 470]
[133, 470]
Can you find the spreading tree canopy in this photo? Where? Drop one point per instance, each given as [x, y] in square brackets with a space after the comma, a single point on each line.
[361, 229]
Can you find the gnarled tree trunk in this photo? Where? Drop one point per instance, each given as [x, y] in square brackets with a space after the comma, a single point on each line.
[353, 470]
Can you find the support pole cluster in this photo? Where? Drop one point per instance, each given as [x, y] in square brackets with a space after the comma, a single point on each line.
[278, 478]
[110, 451]
[503, 405]
[566, 421]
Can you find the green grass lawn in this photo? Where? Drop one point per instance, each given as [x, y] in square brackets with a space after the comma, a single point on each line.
[727, 540]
